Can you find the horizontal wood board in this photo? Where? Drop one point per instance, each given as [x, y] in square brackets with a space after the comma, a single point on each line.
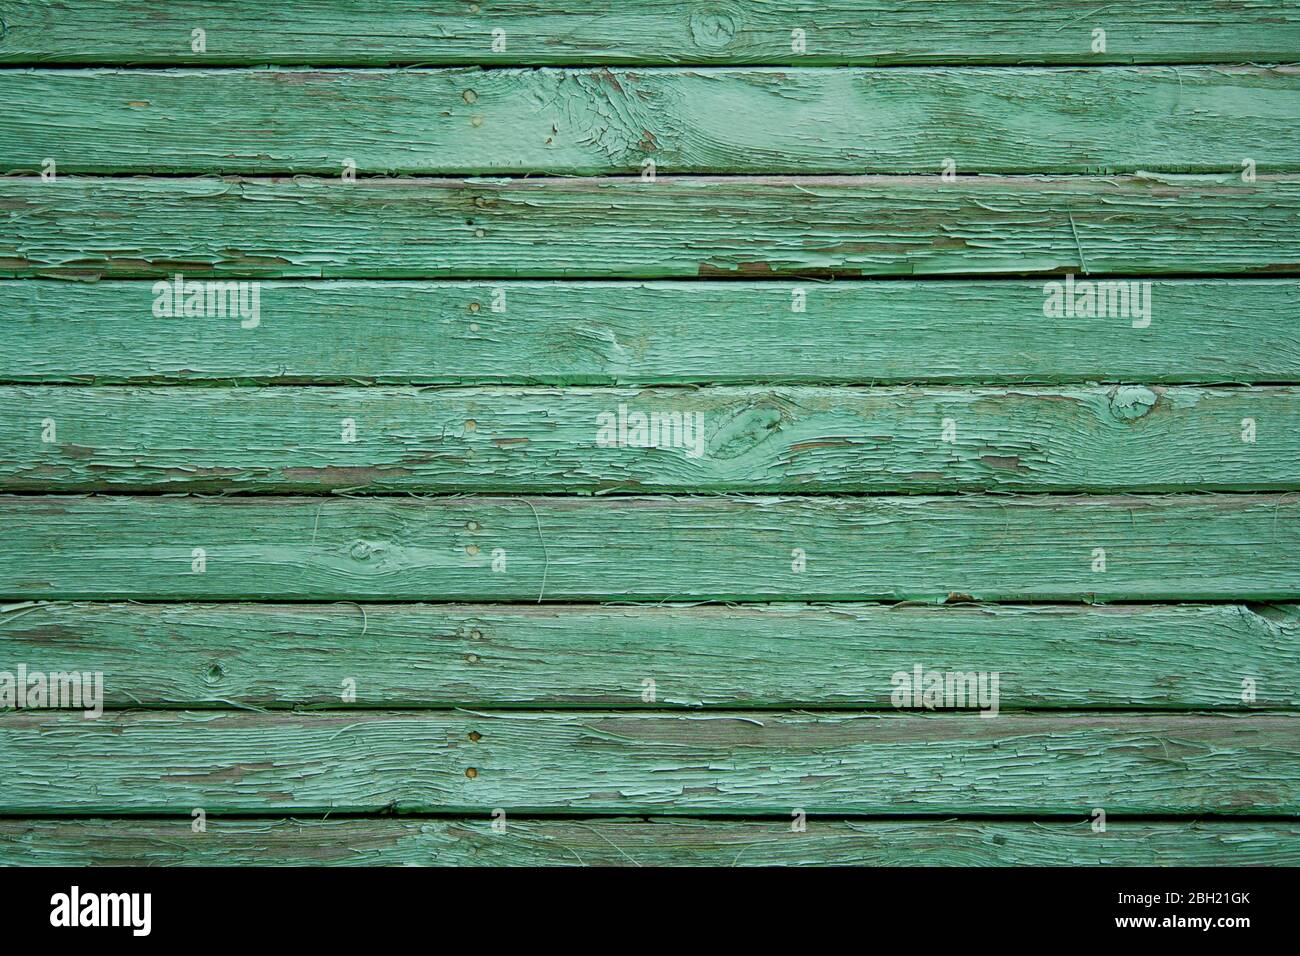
[350, 32]
[277, 656]
[356, 332]
[590, 122]
[626, 227]
[720, 548]
[1127, 438]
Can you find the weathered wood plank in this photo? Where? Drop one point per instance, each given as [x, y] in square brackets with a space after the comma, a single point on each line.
[800, 656]
[1045, 547]
[652, 31]
[1124, 438]
[585, 122]
[625, 227]
[742, 763]
[665, 841]
[604, 333]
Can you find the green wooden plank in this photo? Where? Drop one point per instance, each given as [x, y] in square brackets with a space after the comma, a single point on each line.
[651, 31]
[602, 333]
[716, 439]
[739, 763]
[584, 122]
[625, 227]
[800, 656]
[664, 841]
[1044, 547]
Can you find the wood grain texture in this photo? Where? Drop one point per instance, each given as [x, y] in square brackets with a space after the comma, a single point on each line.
[624, 227]
[915, 466]
[664, 841]
[798, 656]
[585, 122]
[1034, 548]
[717, 439]
[738, 763]
[604, 333]
[652, 31]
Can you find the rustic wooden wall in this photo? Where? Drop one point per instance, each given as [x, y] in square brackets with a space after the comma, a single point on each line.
[371, 577]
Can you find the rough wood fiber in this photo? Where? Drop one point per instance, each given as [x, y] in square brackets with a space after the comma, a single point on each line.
[1193, 547]
[650, 31]
[584, 122]
[801, 656]
[738, 763]
[655, 842]
[603, 333]
[625, 227]
[759, 708]
[718, 439]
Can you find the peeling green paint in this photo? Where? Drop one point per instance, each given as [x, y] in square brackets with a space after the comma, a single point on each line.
[606, 333]
[681, 227]
[669, 32]
[719, 439]
[591, 122]
[1064, 286]
[728, 548]
[660, 841]
[681, 764]
[278, 656]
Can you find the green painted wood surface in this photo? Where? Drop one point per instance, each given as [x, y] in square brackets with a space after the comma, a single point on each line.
[625, 227]
[717, 439]
[652, 31]
[993, 548]
[655, 842]
[773, 163]
[584, 122]
[798, 656]
[602, 333]
[759, 763]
